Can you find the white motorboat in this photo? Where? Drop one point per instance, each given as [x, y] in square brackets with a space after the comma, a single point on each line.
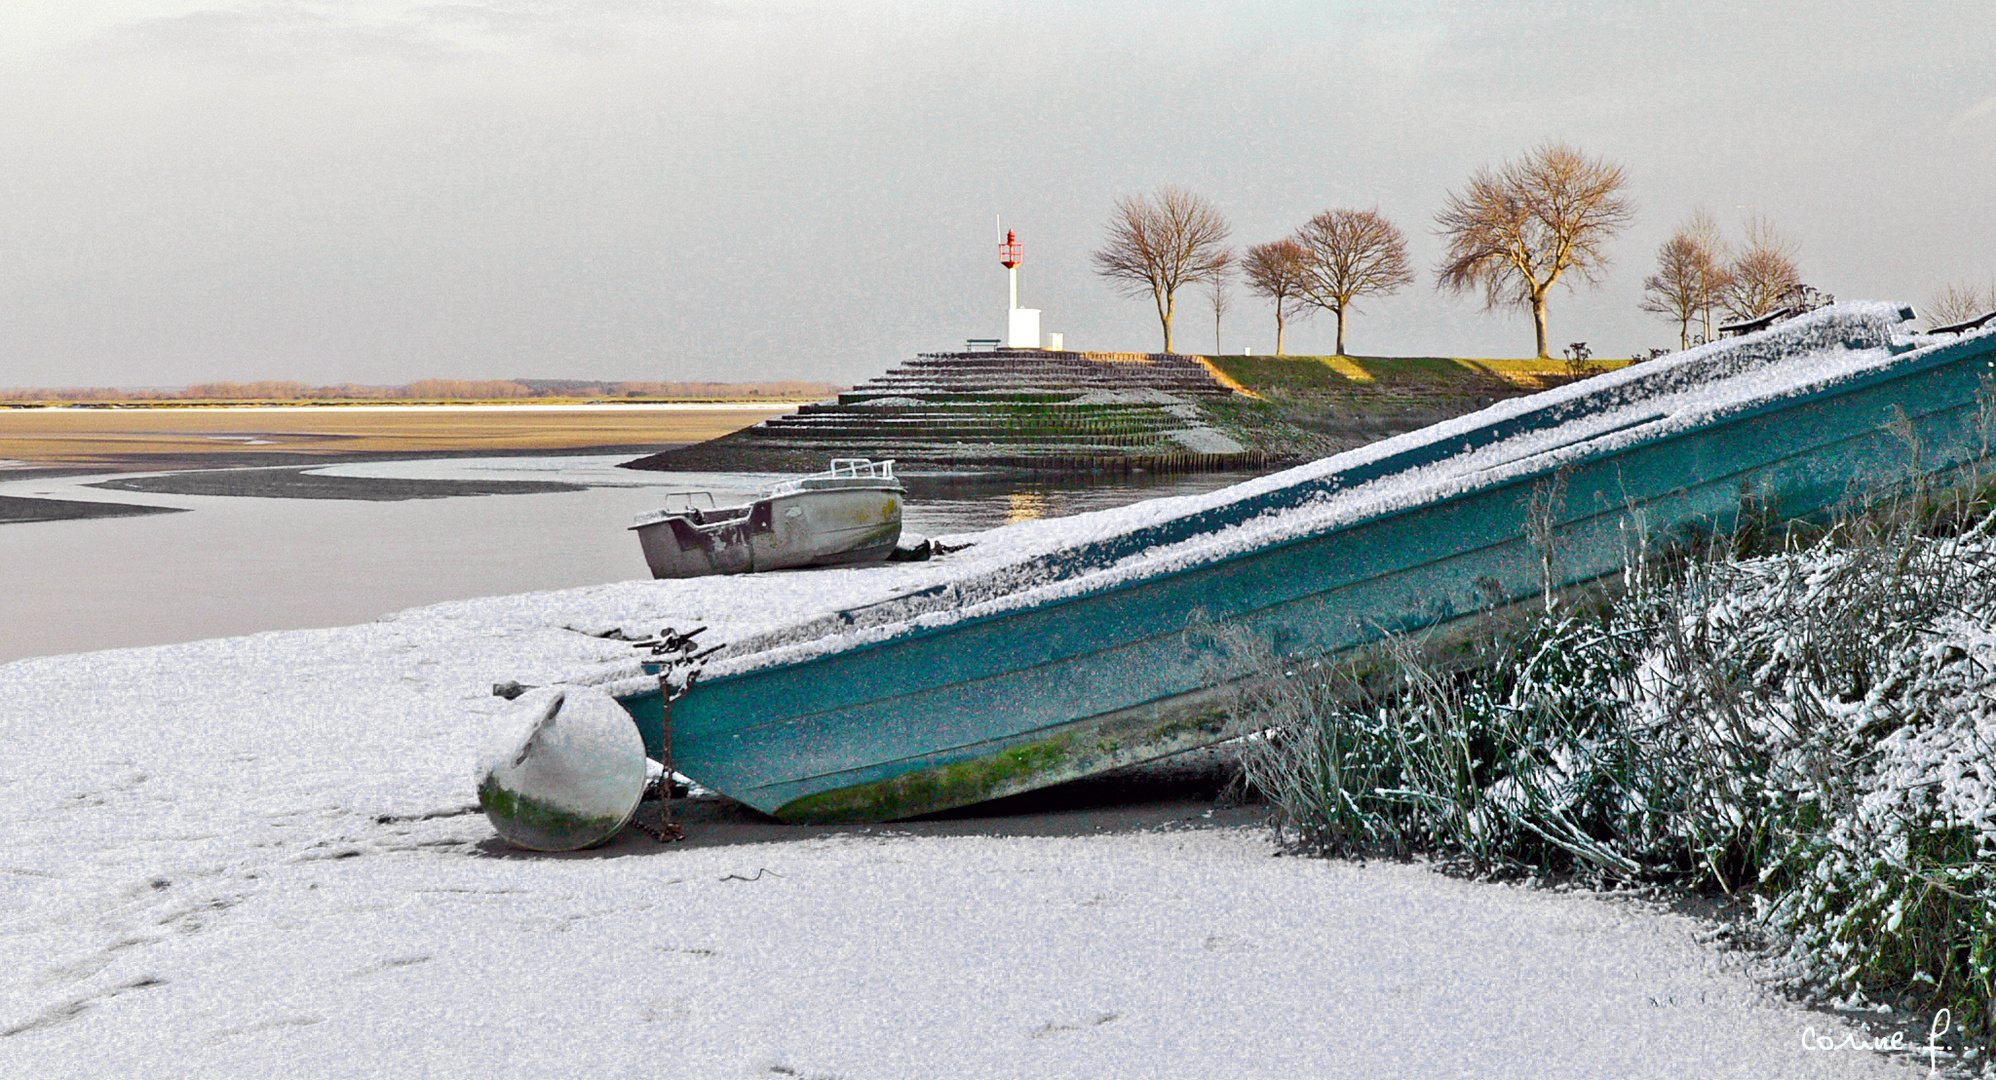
[851, 513]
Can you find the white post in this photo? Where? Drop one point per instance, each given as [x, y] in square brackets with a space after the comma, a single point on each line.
[1013, 273]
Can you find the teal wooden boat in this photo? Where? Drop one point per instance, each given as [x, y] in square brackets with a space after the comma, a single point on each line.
[1079, 660]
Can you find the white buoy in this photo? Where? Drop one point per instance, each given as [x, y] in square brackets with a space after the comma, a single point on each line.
[564, 770]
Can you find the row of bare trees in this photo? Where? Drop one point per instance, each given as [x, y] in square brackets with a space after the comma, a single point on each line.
[1162, 243]
[1699, 273]
[1335, 258]
[1512, 234]
[1960, 301]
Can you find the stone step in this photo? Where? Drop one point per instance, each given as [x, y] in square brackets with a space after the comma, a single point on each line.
[971, 418]
[875, 436]
[977, 407]
[1014, 374]
[906, 386]
[856, 439]
[833, 429]
[1010, 407]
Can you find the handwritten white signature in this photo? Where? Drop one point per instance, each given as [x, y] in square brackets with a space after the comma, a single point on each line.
[1943, 1022]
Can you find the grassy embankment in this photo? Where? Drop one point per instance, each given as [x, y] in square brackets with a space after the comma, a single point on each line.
[1307, 406]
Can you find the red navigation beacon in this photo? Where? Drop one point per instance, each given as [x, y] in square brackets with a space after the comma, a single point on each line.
[1010, 254]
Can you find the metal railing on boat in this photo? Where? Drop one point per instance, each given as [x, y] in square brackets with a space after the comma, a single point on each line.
[842, 469]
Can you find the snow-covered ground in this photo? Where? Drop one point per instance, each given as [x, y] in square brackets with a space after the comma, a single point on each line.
[256, 857]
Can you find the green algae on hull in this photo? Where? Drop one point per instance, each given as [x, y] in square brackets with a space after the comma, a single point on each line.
[529, 822]
[1055, 756]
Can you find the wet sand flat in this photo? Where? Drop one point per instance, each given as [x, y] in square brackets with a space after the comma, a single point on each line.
[15, 508]
[136, 439]
[304, 484]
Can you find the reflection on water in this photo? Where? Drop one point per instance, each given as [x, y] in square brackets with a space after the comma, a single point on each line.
[1028, 506]
[237, 564]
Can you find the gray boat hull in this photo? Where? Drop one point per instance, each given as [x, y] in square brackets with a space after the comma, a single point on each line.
[852, 522]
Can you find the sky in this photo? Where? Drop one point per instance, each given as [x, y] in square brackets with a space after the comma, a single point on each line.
[380, 191]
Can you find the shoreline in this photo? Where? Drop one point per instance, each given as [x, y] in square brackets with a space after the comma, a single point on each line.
[257, 475]
[525, 405]
[261, 459]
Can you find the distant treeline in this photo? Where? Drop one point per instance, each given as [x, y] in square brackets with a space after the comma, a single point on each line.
[433, 390]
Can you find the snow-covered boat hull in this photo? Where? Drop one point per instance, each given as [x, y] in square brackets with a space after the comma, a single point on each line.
[1099, 655]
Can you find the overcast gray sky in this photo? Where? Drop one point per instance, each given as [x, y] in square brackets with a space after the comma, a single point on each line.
[381, 191]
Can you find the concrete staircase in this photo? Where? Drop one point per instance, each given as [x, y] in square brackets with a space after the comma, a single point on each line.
[1023, 408]
[1016, 370]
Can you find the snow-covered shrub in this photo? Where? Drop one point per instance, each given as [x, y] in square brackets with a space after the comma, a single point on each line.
[1502, 754]
[1827, 713]
[1895, 885]
[1816, 726]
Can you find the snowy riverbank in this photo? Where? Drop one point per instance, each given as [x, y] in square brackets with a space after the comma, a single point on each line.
[258, 856]
[252, 857]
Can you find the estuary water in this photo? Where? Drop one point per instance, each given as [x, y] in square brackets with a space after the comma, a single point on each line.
[254, 559]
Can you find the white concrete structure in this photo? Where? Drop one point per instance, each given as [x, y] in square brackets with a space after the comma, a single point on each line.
[1022, 328]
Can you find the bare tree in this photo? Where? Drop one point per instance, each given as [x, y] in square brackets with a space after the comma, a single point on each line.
[1762, 274]
[1958, 302]
[1220, 290]
[1514, 232]
[1705, 230]
[1277, 270]
[1691, 277]
[1351, 253]
[1159, 246]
